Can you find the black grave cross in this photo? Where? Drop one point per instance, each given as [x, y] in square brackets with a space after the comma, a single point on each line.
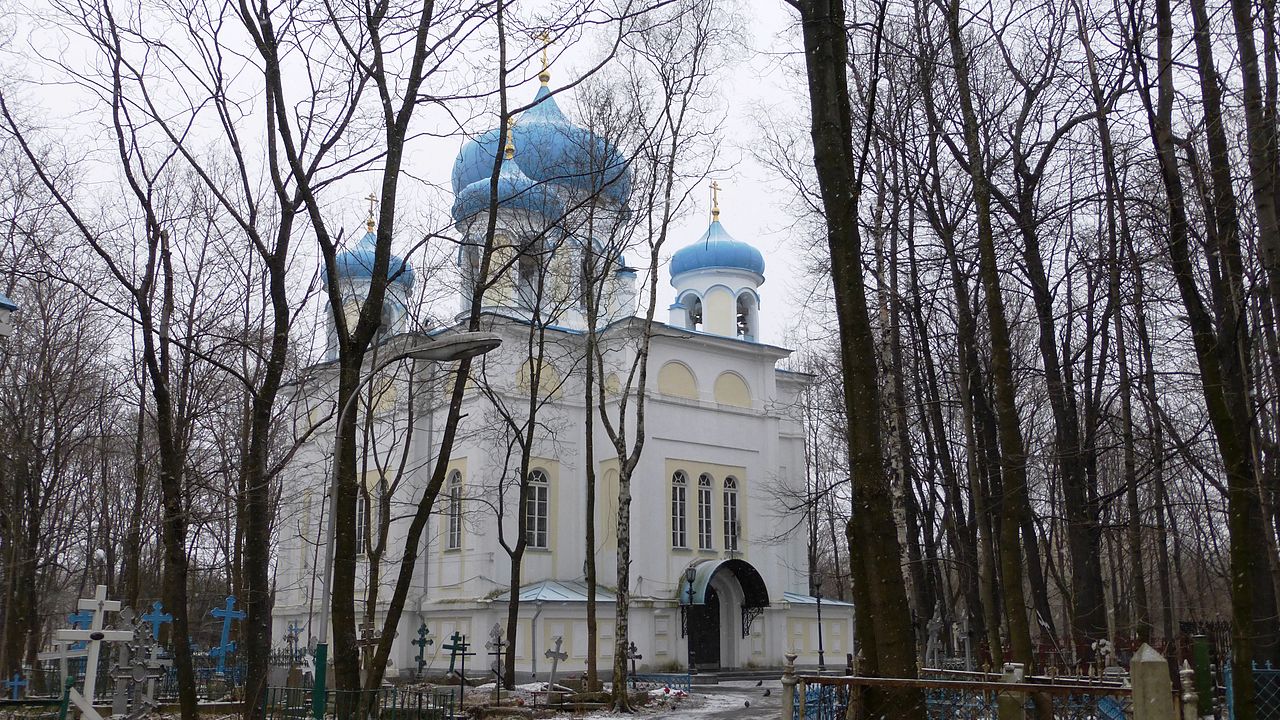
[369, 635]
[457, 648]
[495, 647]
[422, 642]
[633, 654]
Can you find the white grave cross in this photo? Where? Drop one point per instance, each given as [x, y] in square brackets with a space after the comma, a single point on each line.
[62, 652]
[99, 605]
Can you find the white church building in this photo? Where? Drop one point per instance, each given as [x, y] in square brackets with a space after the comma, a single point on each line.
[716, 490]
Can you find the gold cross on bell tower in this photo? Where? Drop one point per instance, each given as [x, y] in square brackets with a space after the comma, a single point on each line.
[373, 203]
[545, 75]
[715, 201]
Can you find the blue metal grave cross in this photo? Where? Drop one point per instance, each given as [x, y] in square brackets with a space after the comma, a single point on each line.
[15, 686]
[291, 634]
[156, 618]
[80, 621]
[226, 647]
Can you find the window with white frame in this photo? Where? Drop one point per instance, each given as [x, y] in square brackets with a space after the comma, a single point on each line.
[679, 505]
[704, 512]
[537, 510]
[731, 514]
[455, 511]
[362, 519]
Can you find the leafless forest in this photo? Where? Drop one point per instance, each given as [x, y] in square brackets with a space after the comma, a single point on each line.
[1043, 249]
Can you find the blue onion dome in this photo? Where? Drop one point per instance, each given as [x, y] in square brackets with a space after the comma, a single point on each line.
[717, 249]
[552, 150]
[516, 191]
[357, 263]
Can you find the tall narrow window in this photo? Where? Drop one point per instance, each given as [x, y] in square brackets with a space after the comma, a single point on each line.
[362, 519]
[536, 510]
[679, 488]
[455, 511]
[731, 514]
[704, 512]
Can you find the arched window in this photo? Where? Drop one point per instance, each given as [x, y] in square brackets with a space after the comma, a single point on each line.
[692, 311]
[537, 509]
[679, 488]
[704, 512]
[455, 511]
[731, 514]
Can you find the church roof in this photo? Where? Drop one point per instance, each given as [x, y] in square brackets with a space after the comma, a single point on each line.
[516, 190]
[801, 599]
[717, 249]
[357, 263]
[552, 150]
[557, 591]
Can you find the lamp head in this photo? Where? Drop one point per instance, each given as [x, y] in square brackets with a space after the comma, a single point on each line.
[458, 346]
[689, 574]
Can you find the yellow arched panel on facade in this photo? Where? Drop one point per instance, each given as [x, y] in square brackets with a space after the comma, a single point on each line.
[677, 379]
[549, 382]
[612, 385]
[731, 389]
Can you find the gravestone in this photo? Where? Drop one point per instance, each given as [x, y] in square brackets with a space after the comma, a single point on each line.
[156, 618]
[457, 648]
[933, 648]
[138, 666]
[633, 654]
[422, 642]
[1012, 705]
[495, 647]
[226, 647]
[17, 685]
[556, 656]
[94, 635]
[62, 652]
[1152, 688]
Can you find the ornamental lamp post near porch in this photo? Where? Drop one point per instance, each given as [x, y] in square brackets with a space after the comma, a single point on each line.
[689, 575]
[447, 348]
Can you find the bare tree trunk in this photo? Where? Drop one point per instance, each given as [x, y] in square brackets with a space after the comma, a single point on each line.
[1013, 454]
[1220, 383]
[875, 554]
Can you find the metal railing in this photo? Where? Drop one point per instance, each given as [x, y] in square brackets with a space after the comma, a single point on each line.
[831, 697]
[1266, 691]
[382, 704]
[657, 681]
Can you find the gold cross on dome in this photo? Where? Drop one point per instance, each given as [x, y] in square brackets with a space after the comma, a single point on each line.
[510, 150]
[715, 200]
[545, 39]
[373, 203]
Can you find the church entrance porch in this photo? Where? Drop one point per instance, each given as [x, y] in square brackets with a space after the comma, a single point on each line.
[721, 605]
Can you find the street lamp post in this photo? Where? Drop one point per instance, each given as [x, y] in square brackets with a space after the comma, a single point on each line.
[817, 595]
[689, 575]
[444, 349]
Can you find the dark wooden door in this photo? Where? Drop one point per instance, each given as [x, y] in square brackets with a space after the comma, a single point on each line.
[704, 631]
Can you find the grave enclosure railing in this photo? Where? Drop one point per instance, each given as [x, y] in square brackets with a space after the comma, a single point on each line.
[1266, 691]
[832, 697]
[383, 704]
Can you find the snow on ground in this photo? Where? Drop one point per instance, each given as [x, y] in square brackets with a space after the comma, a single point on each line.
[739, 700]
